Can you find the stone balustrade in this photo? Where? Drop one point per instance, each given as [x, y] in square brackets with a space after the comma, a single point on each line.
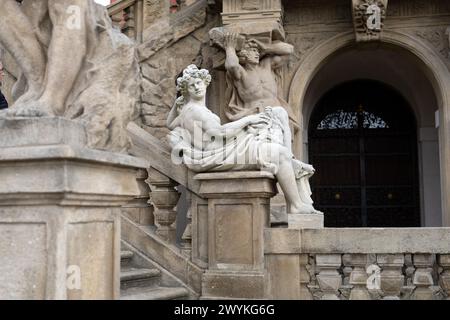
[358, 264]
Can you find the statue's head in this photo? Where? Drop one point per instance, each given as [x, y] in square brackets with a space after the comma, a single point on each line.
[249, 54]
[193, 83]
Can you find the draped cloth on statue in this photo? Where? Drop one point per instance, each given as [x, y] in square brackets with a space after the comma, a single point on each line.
[240, 151]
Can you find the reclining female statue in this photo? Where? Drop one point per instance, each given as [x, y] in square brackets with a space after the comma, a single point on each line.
[261, 141]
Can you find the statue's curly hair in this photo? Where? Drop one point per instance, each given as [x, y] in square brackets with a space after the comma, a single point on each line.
[191, 72]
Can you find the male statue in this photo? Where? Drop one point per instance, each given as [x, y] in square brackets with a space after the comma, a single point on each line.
[250, 74]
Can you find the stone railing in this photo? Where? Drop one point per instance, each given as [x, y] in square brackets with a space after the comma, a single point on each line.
[227, 213]
[227, 235]
[127, 15]
[358, 264]
[163, 178]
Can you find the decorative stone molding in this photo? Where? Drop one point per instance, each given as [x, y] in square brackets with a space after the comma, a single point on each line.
[235, 11]
[368, 18]
[437, 36]
[164, 198]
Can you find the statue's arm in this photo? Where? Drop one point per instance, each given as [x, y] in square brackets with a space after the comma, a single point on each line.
[277, 48]
[213, 128]
[232, 61]
[173, 120]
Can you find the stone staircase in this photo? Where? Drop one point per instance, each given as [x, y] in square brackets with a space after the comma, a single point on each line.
[139, 283]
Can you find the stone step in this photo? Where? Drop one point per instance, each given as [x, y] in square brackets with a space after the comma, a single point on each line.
[160, 293]
[139, 277]
[126, 256]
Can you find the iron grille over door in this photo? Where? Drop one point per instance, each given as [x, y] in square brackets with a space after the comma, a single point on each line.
[363, 144]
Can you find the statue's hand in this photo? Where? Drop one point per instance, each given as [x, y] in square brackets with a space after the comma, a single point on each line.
[231, 40]
[259, 119]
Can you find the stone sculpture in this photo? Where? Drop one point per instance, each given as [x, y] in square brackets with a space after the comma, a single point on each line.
[72, 64]
[250, 75]
[260, 141]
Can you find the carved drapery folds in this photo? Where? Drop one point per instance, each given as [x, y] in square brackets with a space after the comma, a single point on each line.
[368, 19]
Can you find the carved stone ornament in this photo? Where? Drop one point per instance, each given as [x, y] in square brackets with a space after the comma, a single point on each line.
[368, 19]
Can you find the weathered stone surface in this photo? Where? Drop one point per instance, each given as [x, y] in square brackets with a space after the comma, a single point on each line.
[305, 221]
[282, 241]
[283, 281]
[41, 131]
[163, 253]
[232, 285]
[366, 240]
[76, 195]
[100, 83]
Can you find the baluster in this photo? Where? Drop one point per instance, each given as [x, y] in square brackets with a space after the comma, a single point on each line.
[329, 278]
[423, 278]
[139, 209]
[444, 276]
[186, 238]
[358, 277]
[392, 279]
[164, 198]
[130, 25]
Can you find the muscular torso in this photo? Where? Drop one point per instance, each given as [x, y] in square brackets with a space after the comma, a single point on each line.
[257, 87]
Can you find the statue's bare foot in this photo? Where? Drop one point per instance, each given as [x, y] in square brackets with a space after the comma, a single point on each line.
[29, 109]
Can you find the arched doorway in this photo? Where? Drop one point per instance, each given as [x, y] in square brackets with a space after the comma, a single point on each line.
[414, 69]
[363, 144]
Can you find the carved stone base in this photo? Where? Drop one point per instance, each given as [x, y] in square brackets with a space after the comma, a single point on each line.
[241, 285]
[305, 221]
[237, 213]
[60, 206]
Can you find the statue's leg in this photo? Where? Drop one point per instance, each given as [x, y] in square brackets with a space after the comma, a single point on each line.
[19, 39]
[66, 52]
[282, 157]
[283, 116]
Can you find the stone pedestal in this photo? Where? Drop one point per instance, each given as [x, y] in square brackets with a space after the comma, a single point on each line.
[305, 221]
[238, 212]
[60, 206]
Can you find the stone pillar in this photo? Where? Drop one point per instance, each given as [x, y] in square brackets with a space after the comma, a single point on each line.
[164, 198]
[238, 212]
[60, 206]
